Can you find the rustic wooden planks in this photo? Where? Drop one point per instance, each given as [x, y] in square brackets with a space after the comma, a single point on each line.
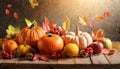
[80, 60]
[99, 59]
[66, 61]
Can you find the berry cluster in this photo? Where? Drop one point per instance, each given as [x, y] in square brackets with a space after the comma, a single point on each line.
[57, 30]
[87, 52]
[57, 55]
[7, 55]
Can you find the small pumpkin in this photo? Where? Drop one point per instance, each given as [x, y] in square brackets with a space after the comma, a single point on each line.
[82, 39]
[9, 45]
[32, 33]
[50, 43]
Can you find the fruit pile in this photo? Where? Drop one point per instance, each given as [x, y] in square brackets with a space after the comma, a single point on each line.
[51, 41]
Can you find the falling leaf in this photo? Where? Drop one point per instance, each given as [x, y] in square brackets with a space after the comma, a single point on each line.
[15, 14]
[28, 22]
[107, 14]
[82, 21]
[7, 11]
[92, 24]
[66, 24]
[99, 18]
[85, 18]
[9, 5]
[34, 3]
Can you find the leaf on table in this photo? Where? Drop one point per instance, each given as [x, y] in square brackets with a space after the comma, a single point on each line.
[12, 31]
[66, 24]
[82, 21]
[40, 57]
[28, 22]
[107, 14]
[34, 3]
[92, 24]
[99, 18]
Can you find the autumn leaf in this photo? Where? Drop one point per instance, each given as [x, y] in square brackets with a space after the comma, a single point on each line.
[99, 18]
[40, 57]
[28, 22]
[107, 14]
[16, 16]
[85, 18]
[7, 11]
[9, 5]
[34, 3]
[45, 25]
[66, 24]
[82, 21]
[92, 24]
[12, 31]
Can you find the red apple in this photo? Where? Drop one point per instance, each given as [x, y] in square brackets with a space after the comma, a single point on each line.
[97, 47]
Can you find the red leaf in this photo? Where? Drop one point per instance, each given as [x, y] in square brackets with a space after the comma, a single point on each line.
[9, 5]
[111, 52]
[15, 14]
[107, 14]
[45, 25]
[91, 24]
[7, 12]
[43, 57]
[36, 57]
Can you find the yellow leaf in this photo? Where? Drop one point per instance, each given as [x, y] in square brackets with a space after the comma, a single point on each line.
[28, 22]
[66, 24]
[82, 21]
[33, 3]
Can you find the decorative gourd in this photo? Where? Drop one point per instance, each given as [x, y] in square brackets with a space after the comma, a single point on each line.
[32, 33]
[82, 39]
[71, 50]
[50, 43]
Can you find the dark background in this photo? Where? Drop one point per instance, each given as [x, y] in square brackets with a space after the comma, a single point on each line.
[57, 10]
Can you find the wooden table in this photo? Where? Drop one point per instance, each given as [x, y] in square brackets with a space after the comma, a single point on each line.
[101, 61]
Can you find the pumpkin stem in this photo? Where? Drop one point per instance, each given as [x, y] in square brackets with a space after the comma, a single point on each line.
[49, 35]
[77, 31]
[33, 26]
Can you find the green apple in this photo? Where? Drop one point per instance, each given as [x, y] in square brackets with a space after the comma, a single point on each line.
[24, 49]
[107, 43]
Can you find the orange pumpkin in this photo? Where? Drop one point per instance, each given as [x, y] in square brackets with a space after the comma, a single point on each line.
[31, 35]
[50, 43]
[9, 45]
[82, 39]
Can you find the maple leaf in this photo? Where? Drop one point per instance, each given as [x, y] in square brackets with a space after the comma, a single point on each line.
[12, 31]
[34, 3]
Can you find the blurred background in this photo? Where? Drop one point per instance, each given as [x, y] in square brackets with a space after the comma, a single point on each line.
[57, 10]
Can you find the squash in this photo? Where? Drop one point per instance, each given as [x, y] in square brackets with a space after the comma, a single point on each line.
[82, 39]
[32, 34]
[50, 43]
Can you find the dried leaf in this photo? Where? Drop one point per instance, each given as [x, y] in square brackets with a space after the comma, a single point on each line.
[66, 24]
[82, 21]
[99, 18]
[9, 5]
[28, 22]
[116, 46]
[85, 18]
[107, 14]
[92, 24]
[15, 14]
[34, 3]
[40, 57]
[7, 11]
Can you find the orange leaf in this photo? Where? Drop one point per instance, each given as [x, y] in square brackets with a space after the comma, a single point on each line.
[99, 18]
[107, 14]
[9, 5]
[15, 14]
